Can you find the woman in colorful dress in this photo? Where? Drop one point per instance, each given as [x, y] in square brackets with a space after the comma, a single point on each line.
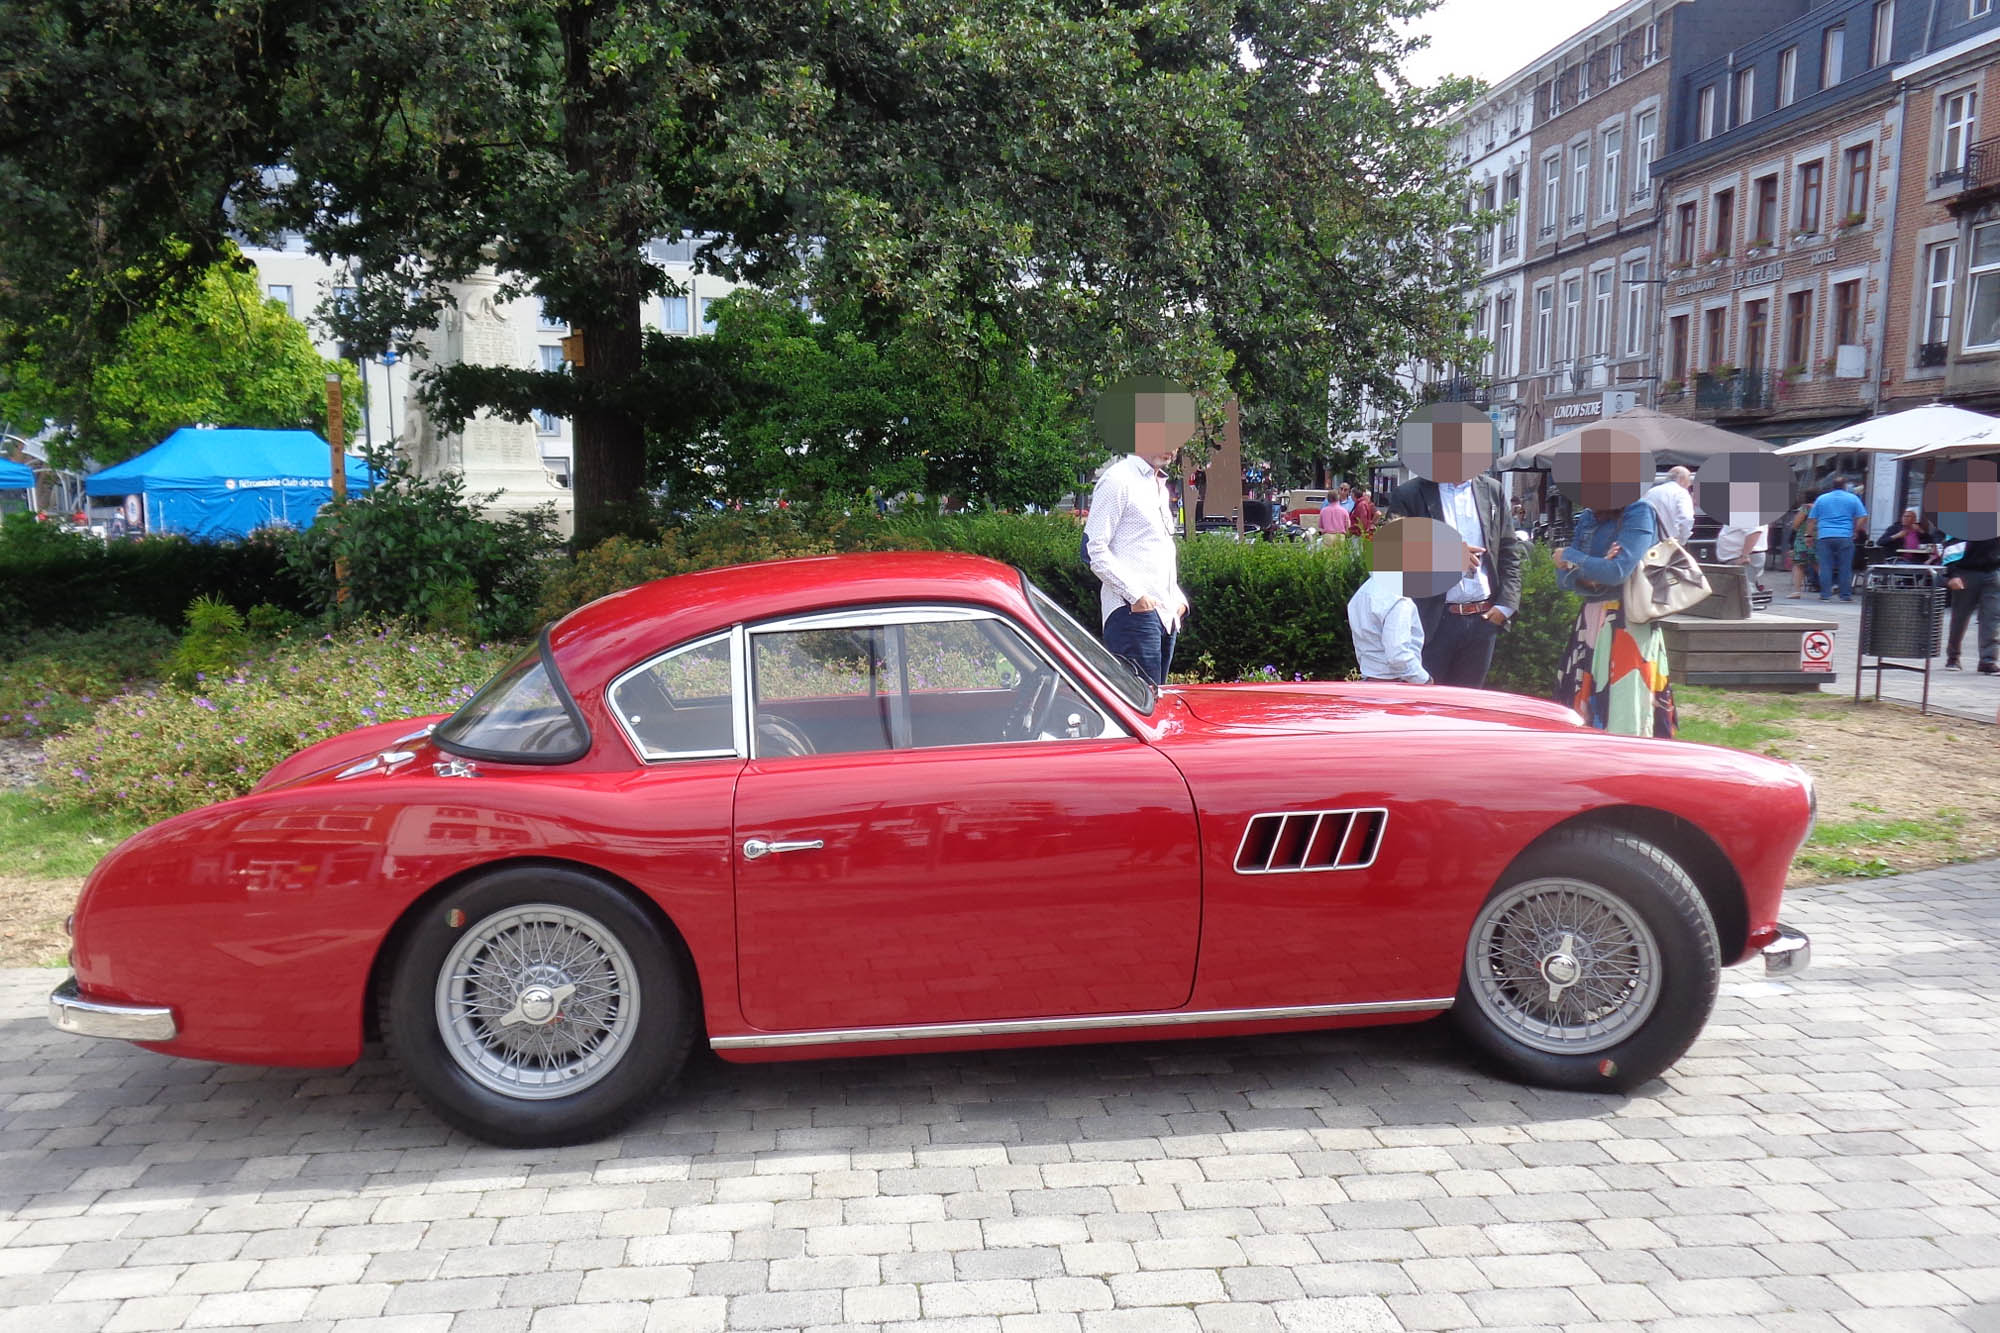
[1613, 673]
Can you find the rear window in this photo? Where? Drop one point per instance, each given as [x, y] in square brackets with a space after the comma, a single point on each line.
[522, 716]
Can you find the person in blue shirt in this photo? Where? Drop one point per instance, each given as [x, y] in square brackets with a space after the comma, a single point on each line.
[1840, 518]
[1613, 673]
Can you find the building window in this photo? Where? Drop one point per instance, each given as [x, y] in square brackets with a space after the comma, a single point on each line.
[1652, 42]
[1510, 225]
[1832, 51]
[1614, 144]
[1705, 114]
[1579, 183]
[674, 313]
[1552, 169]
[281, 292]
[1884, 38]
[542, 320]
[1545, 300]
[1798, 331]
[1572, 343]
[1684, 232]
[1982, 306]
[552, 363]
[1503, 335]
[708, 314]
[1677, 348]
[1958, 114]
[1940, 277]
[1646, 132]
[1716, 352]
[1847, 312]
[1756, 333]
[1788, 76]
[1809, 196]
[1764, 225]
[1746, 94]
[1978, 9]
[1725, 221]
[1635, 307]
[1600, 313]
[1856, 174]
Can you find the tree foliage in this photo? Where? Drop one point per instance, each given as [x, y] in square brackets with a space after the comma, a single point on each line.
[218, 352]
[1246, 196]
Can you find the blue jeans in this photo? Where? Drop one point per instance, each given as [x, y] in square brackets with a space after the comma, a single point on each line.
[1836, 568]
[1140, 637]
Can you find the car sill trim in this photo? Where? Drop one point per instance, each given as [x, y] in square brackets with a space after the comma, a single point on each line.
[1080, 1023]
[70, 1012]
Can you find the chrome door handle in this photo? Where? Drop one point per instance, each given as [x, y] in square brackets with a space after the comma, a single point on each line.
[757, 847]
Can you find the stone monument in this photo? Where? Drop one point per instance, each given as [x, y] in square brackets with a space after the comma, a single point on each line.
[491, 453]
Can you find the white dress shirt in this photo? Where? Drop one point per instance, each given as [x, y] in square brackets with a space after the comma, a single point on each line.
[1388, 634]
[1461, 511]
[1675, 507]
[1130, 536]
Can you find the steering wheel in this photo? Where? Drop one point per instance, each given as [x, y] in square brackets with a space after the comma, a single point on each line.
[778, 738]
[1028, 722]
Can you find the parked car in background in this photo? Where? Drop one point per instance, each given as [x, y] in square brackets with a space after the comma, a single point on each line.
[904, 802]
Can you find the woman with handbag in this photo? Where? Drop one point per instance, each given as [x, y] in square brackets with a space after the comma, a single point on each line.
[1614, 671]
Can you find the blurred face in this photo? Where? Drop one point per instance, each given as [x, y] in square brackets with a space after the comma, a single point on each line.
[1602, 468]
[1744, 488]
[1965, 496]
[1447, 442]
[1427, 555]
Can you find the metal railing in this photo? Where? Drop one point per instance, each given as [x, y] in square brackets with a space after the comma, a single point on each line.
[1744, 391]
[1931, 355]
[1982, 165]
[1460, 389]
[1510, 245]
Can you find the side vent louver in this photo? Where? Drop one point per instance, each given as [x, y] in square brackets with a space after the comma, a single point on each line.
[1311, 840]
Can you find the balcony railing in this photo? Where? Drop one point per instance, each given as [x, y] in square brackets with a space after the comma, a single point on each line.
[1461, 389]
[1548, 230]
[1932, 355]
[1745, 391]
[1510, 245]
[1982, 165]
[1485, 249]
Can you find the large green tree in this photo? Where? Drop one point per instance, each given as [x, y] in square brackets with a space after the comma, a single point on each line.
[217, 352]
[1245, 195]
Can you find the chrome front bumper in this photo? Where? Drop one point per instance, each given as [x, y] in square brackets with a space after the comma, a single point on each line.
[1790, 953]
[69, 1011]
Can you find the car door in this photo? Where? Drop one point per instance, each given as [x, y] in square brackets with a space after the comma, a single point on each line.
[912, 850]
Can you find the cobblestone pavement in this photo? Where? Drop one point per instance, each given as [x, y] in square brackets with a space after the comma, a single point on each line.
[1827, 1157]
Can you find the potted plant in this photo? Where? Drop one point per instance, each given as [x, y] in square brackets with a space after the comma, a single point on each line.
[1670, 389]
[1726, 371]
[1788, 377]
[1717, 255]
[1852, 220]
[1829, 364]
[1760, 245]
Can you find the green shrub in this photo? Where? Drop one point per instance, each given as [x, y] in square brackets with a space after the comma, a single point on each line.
[216, 641]
[51, 578]
[52, 679]
[418, 549]
[1529, 651]
[170, 749]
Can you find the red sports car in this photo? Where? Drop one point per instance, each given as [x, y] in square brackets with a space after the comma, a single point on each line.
[904, 802]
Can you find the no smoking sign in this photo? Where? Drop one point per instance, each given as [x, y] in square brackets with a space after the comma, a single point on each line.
[1816, 650]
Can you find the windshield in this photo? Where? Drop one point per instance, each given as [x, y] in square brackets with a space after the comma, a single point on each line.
[521, 716]
[1112, 669]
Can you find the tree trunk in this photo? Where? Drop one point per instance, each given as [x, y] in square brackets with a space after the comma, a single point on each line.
[609, 467]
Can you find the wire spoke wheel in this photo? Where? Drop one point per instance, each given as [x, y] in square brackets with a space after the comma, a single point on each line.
[537, 1001]
[1563, 966]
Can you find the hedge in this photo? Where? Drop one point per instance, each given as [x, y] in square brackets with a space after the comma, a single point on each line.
[54, 579]
[1259, 608]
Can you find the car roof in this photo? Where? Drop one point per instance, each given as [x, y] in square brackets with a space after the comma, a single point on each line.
[596, 642]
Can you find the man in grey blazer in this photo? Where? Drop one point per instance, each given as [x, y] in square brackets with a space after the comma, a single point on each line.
[1448, 447]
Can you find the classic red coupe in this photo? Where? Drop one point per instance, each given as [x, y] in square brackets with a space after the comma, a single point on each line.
[904, 802]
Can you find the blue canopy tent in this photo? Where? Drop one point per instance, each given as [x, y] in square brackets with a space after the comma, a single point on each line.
[216, 484]
[16, 476]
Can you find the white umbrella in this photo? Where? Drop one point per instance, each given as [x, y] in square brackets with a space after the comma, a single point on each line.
[1989, 444]
[1931, 426]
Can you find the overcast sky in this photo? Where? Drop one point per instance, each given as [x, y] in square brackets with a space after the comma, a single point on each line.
[1490, 39]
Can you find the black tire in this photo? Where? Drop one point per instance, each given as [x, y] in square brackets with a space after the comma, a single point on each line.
[1643, 954]
[630, 1016]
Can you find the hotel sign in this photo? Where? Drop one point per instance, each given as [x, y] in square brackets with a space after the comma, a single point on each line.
[1770, 272]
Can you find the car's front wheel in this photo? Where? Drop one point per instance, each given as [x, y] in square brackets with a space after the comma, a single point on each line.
[1592, 966]
[537, 1006]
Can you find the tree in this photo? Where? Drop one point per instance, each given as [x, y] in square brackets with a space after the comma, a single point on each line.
[1243, 195]
[218, 352]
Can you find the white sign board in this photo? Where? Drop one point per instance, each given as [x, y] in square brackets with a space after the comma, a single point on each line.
[1816, 650]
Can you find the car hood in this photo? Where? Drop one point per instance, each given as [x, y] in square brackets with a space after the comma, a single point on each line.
[1314, 708]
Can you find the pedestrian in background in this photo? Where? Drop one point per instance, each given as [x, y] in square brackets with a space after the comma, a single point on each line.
[1128, 540]
[1841, 519]
[1805, 549]
[1673, 504]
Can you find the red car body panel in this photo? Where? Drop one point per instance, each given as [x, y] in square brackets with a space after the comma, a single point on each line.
[963, 884]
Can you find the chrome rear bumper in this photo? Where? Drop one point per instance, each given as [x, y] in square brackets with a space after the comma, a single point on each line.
[1790, 953]
[69, 1011]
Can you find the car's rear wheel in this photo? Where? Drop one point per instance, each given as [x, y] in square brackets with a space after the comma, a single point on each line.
[1592, 966]
[537, 1006]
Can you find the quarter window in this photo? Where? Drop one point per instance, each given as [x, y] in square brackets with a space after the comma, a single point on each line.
[681, 704]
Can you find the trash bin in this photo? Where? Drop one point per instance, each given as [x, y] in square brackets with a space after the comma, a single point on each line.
[1902, 611]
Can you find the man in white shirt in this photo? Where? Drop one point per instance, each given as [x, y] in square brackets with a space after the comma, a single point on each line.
[1129, 536]
[1411, 557]
[1673, 504]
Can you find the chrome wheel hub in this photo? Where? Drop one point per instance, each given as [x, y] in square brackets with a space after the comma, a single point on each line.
[537, 1001]
[1563, 966]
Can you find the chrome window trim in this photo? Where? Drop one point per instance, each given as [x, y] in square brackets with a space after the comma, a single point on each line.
[737, 716]
[1079, 1023]
[1110, 727]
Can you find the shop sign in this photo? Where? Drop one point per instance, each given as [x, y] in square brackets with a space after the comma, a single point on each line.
[1770, 272]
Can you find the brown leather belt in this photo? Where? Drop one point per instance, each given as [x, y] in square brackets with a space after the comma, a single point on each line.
[1468, 608]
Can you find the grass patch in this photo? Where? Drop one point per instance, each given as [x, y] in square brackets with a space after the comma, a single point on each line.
[39, 843]
[1871, 848]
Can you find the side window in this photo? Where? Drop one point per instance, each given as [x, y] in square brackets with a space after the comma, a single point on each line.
[914, 681]
[680, 704]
